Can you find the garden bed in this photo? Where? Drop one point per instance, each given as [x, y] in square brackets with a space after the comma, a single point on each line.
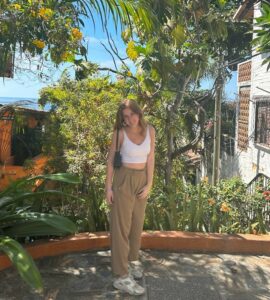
[160, 240]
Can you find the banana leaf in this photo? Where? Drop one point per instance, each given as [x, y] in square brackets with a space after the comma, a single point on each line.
[22, 261]
[5, 201]
[13, 186]
[19, 183]
[16, 221]
[36, 224]
[62, 177]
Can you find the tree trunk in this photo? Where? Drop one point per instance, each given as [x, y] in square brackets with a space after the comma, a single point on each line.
[217, 130]
[172, 109]
[168, 132]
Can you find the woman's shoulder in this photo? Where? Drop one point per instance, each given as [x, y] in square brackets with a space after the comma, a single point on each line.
[120, 133]
[152, 132]
[151, 128]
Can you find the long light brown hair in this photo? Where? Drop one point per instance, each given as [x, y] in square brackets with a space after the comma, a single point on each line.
[135, 108]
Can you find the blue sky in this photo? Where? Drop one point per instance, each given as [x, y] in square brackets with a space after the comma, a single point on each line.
[23, 86]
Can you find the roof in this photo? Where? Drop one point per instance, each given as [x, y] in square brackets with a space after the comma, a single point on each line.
[12, 107]
[245, 10]
[7, 112]
[31, 110]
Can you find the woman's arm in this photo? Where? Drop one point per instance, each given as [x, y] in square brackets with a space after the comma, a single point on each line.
[110, 171]
[151, 158]
[150, 164]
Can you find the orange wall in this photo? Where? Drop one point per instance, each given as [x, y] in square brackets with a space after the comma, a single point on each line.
[5, 141]
[11, 173]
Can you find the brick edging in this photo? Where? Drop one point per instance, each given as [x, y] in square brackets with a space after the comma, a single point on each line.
[159, 240]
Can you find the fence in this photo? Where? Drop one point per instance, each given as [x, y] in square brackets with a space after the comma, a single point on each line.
[262, 181]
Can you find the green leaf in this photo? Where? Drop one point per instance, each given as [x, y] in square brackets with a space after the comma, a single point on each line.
[179, 34]
[22, 261]
[150, 46]
[222, 3]
[140, 49]
[63, 177]
[32, 224]
[5, 201]
[254, 225]
[149, 84]
[32, 228]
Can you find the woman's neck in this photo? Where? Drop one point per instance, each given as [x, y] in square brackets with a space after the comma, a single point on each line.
[134, 129]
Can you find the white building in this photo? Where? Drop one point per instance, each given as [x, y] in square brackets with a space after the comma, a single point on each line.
[253, 124]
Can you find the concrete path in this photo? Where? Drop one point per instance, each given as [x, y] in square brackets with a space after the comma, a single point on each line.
[168, 276]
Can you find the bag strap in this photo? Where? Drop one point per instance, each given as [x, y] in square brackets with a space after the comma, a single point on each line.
[117, 136]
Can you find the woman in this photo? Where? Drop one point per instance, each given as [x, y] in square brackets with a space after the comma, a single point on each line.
[127, 189]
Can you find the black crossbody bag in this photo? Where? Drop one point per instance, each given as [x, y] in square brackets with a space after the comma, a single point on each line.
[117, 161]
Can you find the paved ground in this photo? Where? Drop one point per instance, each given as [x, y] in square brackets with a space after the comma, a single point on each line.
[169, 276]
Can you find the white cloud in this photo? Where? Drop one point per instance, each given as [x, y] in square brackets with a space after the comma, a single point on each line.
[110, 64]
[95, 41]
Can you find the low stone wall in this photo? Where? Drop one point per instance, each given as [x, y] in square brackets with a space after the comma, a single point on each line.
[159, 240]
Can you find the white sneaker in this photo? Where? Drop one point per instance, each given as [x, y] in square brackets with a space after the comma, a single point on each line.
[128, 285]
[135, 269]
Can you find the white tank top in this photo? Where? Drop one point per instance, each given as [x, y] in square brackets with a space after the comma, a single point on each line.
[133, 153]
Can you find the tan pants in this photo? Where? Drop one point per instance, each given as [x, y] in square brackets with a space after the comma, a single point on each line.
[127, 218]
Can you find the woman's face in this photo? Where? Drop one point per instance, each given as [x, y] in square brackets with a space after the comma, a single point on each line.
[130, 118]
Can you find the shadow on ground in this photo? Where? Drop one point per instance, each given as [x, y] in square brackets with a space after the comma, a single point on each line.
[169, 276]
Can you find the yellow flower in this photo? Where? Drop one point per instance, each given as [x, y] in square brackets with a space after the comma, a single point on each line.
[33, 13]
[131, 50]
[68, 23]
[76, 33]
[211, 201]
[45, 13]
[16, 6]
[39, 43]
[225, 207]
[66, 55]
[205, 179]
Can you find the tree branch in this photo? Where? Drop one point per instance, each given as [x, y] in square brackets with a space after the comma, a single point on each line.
[195, 141]
[117, 72]
[114, 62]
[114, 49]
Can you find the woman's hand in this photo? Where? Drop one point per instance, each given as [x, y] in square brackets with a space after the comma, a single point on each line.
[144, 192]
[109, 196]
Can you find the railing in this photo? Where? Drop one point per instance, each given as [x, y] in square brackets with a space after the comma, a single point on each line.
[261, 181]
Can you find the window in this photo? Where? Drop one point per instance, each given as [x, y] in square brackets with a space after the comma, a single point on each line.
[262, 121]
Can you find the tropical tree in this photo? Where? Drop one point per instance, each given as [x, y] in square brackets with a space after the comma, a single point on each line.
[262, 40]
[77, 139]
[51, 29]
[19, 219]
[172, 57]
[192, 39]
[189, 41]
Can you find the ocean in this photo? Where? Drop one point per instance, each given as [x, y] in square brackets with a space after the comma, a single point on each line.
[25, 102]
